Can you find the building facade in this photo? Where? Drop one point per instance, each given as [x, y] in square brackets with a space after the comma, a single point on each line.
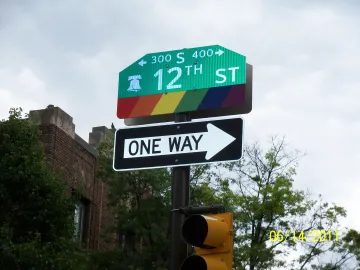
[76, 163]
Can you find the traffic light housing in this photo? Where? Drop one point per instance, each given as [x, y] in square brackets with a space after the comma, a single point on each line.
[212, 237]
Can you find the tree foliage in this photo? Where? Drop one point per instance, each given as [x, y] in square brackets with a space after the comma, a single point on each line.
[259, 191]
[268, 204]
[36, 217]
[271, 218]
[141, 203]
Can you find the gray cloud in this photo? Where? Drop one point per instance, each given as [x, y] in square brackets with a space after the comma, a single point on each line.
[305, 57]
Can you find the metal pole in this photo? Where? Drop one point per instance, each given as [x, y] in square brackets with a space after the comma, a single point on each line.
[180, 191]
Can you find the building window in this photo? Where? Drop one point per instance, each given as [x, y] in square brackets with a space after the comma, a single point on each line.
[79, 220]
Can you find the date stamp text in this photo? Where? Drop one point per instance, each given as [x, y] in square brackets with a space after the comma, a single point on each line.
[304, 236]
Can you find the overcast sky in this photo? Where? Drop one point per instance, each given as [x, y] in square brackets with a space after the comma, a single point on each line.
[305, 55]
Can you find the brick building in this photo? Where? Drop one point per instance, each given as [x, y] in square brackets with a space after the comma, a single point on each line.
[76, 162]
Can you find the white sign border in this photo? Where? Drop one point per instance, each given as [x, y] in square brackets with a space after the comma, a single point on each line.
[180, 123]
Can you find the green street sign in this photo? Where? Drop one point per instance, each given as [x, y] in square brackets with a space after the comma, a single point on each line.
[182, 70]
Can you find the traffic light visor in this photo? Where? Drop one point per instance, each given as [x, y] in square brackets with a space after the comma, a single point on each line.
[194, 262]
[195, 230]
[212, 237]
[205, 231]
[212, 262]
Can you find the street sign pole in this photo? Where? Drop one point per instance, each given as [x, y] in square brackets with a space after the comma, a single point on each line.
[180, 193]
[209, 81]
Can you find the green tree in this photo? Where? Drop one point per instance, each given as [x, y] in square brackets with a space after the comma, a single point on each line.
[345, 253]
[265, 205]
[258, 190]
[141, 203]
[36, 216]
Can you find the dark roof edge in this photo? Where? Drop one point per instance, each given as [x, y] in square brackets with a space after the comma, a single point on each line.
[87, 146]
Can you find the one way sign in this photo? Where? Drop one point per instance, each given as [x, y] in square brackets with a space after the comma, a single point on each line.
[178, 144]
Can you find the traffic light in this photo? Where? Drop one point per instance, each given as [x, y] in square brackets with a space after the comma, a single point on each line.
[212, 237]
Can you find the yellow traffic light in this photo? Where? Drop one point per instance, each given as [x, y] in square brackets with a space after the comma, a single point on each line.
[212, 237]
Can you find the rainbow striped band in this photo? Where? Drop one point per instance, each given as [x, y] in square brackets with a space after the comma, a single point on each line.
[183, 101]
